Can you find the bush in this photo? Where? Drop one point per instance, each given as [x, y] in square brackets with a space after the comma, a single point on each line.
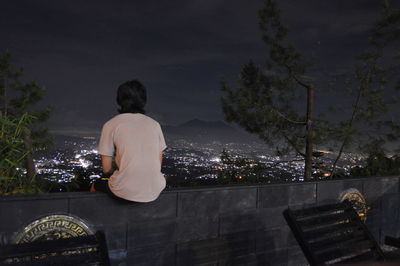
[12, 154]
[378, 164]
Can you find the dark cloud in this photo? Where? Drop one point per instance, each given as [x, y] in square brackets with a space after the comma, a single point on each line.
[82, 50]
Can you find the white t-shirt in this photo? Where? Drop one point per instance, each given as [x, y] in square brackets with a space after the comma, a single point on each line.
[136, 140]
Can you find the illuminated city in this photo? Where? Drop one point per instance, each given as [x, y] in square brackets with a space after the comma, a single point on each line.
[186, 162]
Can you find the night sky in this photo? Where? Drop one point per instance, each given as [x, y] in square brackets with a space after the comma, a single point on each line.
[80, 51]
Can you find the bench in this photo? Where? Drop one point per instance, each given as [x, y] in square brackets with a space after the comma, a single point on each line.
[83, 250]
[332, 234]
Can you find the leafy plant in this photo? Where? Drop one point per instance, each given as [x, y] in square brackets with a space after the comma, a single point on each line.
[12, 156]
[18, 98]
[378, 164]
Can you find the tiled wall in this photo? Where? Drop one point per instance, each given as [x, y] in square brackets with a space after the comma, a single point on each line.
[237, 225]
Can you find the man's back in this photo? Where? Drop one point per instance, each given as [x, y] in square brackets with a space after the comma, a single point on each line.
[137, 141]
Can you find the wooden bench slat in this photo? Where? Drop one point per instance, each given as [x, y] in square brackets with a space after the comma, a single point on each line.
[330, 229]
[317, 210]
[325, 220]
[55, 256]
[366, 256]
[344, 251]
[332, 233]
[326, 243]
[85, 250]
[73, 260]
[48, 246]
[345, 247]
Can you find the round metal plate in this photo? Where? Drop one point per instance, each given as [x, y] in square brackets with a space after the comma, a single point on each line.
[52, 227]
[357, 200]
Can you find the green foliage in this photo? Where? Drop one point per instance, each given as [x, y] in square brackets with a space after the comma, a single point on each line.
[260, 107]
[12, 155]
[18, 98]
[266, 102]
[12, 145]
[373, 121]
[22, 131]
[378, 164]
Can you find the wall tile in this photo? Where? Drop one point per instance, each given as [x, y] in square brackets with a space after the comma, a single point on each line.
[273, 196]
[273, 258]
[272, 217]
[116, 235]
[237, 200]
[157, 254]
[331, 191]
[302, 194]
[146, 233]
[375, 188]
[198, 203]
[199, 252]
[101, 210]
[196, 228]
[272, 239]
[15, 215]
[232, 223]
[163, 207]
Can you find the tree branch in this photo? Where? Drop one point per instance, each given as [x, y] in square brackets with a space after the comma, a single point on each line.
[350, 123]
[303, 84]
[288, 119]
[293, 145]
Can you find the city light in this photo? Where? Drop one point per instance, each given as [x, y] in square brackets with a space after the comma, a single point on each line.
[185, 161]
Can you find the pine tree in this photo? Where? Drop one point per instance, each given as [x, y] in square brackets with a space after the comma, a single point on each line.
[375, 87]
[264, 102]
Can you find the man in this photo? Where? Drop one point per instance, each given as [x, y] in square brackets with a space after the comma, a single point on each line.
[136, 142]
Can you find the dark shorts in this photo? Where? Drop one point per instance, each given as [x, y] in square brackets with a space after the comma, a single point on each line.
[101, 185]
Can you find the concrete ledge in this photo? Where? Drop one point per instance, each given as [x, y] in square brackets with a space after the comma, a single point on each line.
[229, 225]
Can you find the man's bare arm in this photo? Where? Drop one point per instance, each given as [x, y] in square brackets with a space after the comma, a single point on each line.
[106, 163]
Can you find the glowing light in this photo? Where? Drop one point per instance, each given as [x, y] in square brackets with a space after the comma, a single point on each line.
[84, 163]
[216, 159]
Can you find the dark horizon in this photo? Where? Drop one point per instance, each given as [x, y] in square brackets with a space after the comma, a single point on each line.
[191, 122]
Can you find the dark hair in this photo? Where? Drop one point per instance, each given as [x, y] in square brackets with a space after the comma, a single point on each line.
[131, 97]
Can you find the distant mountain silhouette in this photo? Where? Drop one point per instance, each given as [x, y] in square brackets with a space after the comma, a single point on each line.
[60, 139]
[195, 130]
[206, 131]
[197, 123]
